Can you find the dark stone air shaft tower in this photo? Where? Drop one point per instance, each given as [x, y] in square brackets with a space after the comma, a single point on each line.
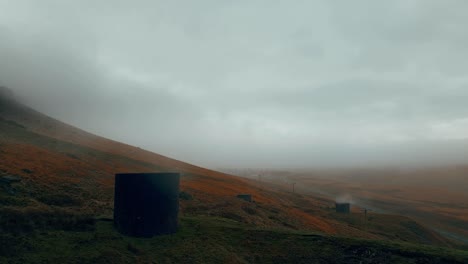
[146, 204]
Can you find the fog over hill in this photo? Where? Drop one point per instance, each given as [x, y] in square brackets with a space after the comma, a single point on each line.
[250, 83]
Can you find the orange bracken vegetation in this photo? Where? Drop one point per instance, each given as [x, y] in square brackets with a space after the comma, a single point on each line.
[49, 155]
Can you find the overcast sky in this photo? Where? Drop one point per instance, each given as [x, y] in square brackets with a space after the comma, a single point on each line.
[249, 83]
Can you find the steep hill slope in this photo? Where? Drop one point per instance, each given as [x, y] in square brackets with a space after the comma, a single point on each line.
[68, 174]
[52, 157]
[55, 159]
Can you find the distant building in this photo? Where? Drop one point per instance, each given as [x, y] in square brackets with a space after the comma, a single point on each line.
[246, 197]
[343, 208]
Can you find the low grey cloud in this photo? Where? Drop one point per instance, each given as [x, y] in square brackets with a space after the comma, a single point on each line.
[249, 83]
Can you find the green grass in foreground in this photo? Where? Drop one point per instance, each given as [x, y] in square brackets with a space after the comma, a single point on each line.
[212, 240]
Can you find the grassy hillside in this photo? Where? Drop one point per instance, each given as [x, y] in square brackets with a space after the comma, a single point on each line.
[65, 179]
[213, 240]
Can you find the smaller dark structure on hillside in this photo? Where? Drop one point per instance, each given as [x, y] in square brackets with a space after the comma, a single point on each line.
[246, 197]
[146, 204]
[343, 208]
[7, 182]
